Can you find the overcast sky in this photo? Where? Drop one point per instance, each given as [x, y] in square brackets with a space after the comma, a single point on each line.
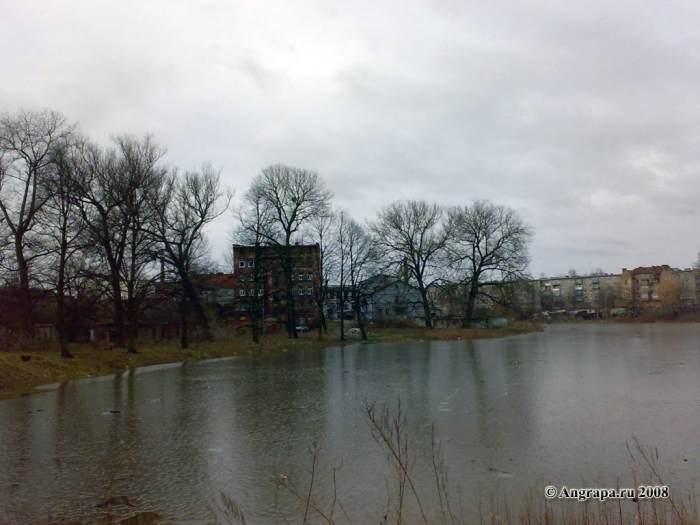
[582, 116]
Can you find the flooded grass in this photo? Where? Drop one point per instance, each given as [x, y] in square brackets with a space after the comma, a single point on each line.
[411, 502]
[25, 367]
[443, 505]
[407, 505]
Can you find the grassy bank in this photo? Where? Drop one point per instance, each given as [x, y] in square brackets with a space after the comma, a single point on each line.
[680, 318]
[22, 369]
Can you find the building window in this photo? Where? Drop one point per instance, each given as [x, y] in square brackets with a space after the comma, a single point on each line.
[309, 277]
[302, 320]
[309, 291]
[260, 291]
[301, 276]
[251, 292]
[292, 277]
[241, 292]
[241, 264]
[241, 307]
[251, 264]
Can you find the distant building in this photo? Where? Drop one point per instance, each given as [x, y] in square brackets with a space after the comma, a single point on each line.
[333, 303]
[599, 292]
[266, 284]
[392, 300]
[382, 298]
[655, 288]
[689, 286]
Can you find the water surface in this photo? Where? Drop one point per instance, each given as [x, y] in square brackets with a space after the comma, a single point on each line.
[557, 406]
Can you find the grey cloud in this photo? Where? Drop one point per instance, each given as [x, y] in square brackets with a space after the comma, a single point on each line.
[582, 116]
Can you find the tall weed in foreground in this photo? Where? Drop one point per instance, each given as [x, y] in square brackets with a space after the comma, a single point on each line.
[411, 503]
[440, 504]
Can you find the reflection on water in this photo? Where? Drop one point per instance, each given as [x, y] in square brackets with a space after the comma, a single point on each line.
[556, 406]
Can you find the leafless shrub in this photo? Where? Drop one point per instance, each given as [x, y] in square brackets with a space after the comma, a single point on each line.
[306, 495]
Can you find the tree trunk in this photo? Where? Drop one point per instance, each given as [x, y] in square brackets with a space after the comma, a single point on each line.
[342, 315]
[131, 340]
[358, 315]
[26, 310]
[257, 302]
[183, 321]
[131, 316]
[61, 312]
[321, 320]
[192, 296]
[61, 325]
[131, 333]
[254, 329]
[471, 299]
[426, 306]
[118, 310]
[255, 315]
[291, 322]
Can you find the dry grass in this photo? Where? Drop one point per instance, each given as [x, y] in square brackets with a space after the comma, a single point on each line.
[45, 366]
[444, 506]
[439, 505]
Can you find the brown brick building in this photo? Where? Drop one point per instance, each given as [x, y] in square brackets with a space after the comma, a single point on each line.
[258, 282]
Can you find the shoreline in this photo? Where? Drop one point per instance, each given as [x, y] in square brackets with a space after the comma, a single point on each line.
[20, 378]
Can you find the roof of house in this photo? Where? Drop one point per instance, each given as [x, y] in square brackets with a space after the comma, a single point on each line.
[650, 269]
[221, 280]
[385, 285]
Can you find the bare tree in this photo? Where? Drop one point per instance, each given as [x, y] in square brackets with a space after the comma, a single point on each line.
[64, 232]
[185, 205]
[488, 250]
[412, 237]
[116, 190]
[342, 219]
[254, 219]
[28, 143]
[323, 232]
[142, 176]
[292, 197]
[357, 256]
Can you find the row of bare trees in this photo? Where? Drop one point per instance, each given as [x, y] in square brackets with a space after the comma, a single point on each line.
[476, 251]
[78, 218]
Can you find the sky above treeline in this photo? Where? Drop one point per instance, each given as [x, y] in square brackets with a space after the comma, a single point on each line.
[582, 116]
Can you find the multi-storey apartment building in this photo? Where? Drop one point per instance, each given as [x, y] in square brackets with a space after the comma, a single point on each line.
[651, 288]
[654, 288]
[259, 281]
[600, 292]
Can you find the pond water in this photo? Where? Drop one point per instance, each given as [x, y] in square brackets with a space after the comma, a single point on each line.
[512, 414]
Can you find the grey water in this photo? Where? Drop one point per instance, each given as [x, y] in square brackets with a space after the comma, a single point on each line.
[514, 414]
